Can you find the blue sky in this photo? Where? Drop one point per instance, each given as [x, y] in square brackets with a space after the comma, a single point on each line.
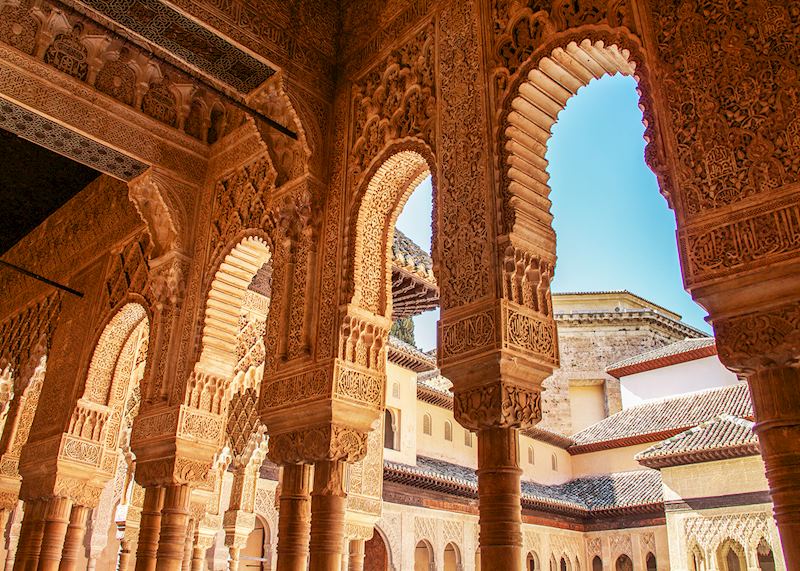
[614, 230]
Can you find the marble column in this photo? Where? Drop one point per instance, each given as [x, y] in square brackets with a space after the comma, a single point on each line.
[149, 529]
[356, 559]
[74, 539]
[56, 521]
[174, 521]
[294, 518]
[500, 510]
[233, 558]
[124, 557]
[30, 536]
[776, 403]
[328, 501]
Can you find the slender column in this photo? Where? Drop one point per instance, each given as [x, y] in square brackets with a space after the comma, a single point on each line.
[149, 529]
[30, 536]
[776, 400]
[356, 555]
[174, 519]
[233, 561]
[294, 518]
[56, 522]
[74, 538]
[327, 516]
[124, 558]
[13, 539]
[500, 517]
[187, 547]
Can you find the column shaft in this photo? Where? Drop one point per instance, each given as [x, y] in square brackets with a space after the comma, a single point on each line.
[356, 560]
[500, 516]
[56, 522]
[30, 536]
[327, 516]
[776, 400]
[294, 518]
[233, 562]
[74, 538]
[149, 529]
[124, 558]
[198, 558]
[174, 520]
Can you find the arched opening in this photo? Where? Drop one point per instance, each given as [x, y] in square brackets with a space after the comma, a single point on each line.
[376, 553]
[531, 455]
[624, 563]
[553, 563]
[255, 554]
[532, 562]
[697, 561]
[391, 429]
[651, 562]
[448, 430]
[731, 556]
[423, 556]
[468, 436]
[231, 358]
[427, 424]
[766, 561]
[554, 462]
[597, 563]
[564, 564]
[452, 558]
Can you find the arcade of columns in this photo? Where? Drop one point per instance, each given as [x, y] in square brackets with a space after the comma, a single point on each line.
[374, 98]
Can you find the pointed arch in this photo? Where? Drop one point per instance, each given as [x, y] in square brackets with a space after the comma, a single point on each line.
[378, 202]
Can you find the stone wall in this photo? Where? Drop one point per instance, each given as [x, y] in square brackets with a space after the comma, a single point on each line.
[587, 348]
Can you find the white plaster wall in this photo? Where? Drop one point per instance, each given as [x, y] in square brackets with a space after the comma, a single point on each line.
[607, 461]
[406, 405]
[541, 470]
[674, 380]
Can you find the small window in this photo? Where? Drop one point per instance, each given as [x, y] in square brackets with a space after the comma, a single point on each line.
[396, 390]
[448, 431]
[468, 438]
[554, 462]
[530, 455]
[426, 424]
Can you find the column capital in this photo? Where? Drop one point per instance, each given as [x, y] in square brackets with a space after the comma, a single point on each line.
[760, 340]
[325, 442]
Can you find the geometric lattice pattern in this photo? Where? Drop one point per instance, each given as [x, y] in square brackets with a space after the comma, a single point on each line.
[187, 40]
[63, 141]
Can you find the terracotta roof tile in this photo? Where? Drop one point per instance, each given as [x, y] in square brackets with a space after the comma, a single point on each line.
[680, 351]
[592, 494]
[640, 423]
[408, 255]
[408, 356]
[724, 436]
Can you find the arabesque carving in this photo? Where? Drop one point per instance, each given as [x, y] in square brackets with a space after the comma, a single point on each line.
[497, 405]
[316, 444]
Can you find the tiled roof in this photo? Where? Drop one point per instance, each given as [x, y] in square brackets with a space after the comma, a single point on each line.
[408, 356]
[408, 255]
[678, 352]
[722, 437]
[616, 292]
[656, 420]
[592, 495]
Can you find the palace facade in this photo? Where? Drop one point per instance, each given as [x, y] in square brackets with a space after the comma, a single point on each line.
[200, 276]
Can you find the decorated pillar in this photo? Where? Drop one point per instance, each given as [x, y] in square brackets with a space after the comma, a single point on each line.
[765, 347]
[328, 501]
[56, 520]
[73, 541]
[356, 559]
[149, 529]
[294, 517]
[30, 537]
[174, 521]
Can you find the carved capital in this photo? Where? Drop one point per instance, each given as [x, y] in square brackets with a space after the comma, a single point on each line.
[163, 203]
[499, 405]
[321, 443]
[762, 340]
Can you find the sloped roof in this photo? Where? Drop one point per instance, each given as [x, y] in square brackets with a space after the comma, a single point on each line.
[408, 356]
[678, 352]
[408, 255]
[592, 495]
[656, 420]
[724, 436]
